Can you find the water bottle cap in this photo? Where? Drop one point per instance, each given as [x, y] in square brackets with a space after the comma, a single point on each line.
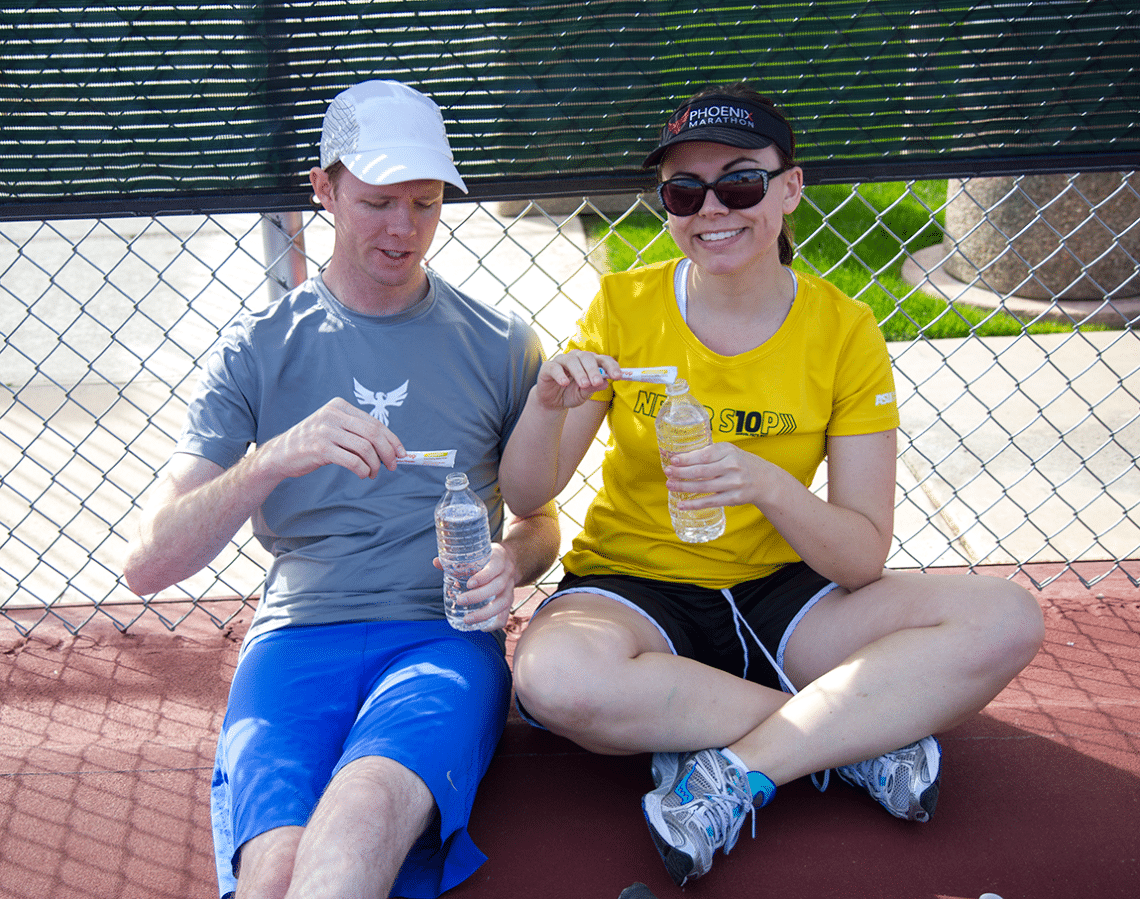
[677, 387]
[457, 480]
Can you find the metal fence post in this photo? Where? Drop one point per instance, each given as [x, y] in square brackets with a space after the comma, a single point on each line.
[285, 264]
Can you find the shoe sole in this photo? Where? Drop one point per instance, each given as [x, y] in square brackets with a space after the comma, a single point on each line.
[928, 799]
[679, 864]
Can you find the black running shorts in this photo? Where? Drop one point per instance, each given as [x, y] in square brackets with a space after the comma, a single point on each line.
[699, 623]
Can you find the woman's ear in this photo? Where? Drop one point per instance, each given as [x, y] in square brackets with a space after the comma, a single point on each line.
[793, 189]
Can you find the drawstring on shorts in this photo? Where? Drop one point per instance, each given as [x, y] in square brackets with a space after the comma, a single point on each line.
[738, 620]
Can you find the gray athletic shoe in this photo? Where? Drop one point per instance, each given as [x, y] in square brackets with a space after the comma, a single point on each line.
[904, 782]
[700, 810]
[665, 765]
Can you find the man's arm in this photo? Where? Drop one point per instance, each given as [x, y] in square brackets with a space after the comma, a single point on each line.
[198, 506]
[529, 547]
[194, 511]
[534, 542]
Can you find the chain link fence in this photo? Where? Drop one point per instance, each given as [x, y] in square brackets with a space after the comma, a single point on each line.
[1020, 423]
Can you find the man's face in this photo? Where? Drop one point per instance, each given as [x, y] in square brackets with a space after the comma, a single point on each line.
[383, 232]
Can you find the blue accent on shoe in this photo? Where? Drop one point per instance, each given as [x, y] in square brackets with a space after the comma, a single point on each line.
[761, 786]
[682, 789]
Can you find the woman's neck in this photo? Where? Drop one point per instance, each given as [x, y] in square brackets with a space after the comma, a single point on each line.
[732, 314]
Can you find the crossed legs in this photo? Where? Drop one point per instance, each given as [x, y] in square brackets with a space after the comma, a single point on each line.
[904, 657]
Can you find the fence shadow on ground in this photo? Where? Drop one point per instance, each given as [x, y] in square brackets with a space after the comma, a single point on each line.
[107, 740]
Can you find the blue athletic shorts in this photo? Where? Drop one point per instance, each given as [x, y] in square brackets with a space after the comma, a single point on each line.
[306, 701]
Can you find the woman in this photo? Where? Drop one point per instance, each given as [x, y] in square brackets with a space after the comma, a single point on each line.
[656, 645]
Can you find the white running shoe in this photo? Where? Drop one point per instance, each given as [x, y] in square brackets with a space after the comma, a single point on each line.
[905, 782]
[665, 765]
[700, 810]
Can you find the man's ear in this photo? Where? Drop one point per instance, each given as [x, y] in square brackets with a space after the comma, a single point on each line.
[322, 187]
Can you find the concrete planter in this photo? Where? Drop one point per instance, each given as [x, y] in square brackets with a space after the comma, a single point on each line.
[1046, 237]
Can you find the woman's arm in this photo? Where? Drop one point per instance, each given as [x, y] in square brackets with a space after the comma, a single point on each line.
[554, 431]
[846, 537]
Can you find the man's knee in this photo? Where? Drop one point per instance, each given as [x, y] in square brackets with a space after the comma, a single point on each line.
[265, 863]
[369, 817]
[383, 791]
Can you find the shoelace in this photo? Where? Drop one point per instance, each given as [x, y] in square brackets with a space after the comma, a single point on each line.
[726, 825]
[868, 773]
[878, 775]
[738, 620]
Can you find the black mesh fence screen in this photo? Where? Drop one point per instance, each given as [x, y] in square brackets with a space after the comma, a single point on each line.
[140, 105]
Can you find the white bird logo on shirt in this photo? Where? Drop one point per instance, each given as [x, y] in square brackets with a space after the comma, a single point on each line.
[380, 401]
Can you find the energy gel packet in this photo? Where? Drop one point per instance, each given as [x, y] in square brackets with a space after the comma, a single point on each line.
[658, 374]
[431, 458]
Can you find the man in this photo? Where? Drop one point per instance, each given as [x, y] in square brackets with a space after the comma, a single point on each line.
[359, 723]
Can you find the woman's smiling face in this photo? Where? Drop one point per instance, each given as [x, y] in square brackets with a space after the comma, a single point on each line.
[722, 240]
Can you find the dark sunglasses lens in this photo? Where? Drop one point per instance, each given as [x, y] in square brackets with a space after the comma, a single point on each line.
[682, 197]
[736, 190]
[740, 190]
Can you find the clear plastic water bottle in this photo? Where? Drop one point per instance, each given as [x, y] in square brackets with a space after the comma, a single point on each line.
[683, 426]
[464, 543]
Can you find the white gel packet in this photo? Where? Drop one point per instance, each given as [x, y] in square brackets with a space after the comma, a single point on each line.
[430, 458]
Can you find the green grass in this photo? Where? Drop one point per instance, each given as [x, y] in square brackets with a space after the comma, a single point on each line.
[885, 221]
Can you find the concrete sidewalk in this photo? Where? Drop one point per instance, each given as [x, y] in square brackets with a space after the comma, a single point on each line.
[1026, 442]
[1030, 441]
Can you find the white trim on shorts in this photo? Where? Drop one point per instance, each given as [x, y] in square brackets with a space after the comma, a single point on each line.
[597, 591]
[780, 650]
[794, 623]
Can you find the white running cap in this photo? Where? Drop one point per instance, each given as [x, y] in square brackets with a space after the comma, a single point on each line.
[386, 132]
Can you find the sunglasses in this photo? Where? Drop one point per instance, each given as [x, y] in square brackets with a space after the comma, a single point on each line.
[685, 195]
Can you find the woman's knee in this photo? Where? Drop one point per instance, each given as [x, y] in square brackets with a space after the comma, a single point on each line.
[1004, 626]
[553, 672]
[569, 660]
[1023, 622]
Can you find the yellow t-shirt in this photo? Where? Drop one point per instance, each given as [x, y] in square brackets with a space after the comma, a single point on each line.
[824, 372]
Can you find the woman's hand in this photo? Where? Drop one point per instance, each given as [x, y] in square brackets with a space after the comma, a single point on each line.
[722, 474]
[845, 537]
[569, 379]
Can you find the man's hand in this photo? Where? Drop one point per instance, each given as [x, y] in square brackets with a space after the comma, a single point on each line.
[336, 434]
[495, 581]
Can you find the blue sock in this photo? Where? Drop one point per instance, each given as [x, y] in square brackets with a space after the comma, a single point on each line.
[761, 786]
[758, 783]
